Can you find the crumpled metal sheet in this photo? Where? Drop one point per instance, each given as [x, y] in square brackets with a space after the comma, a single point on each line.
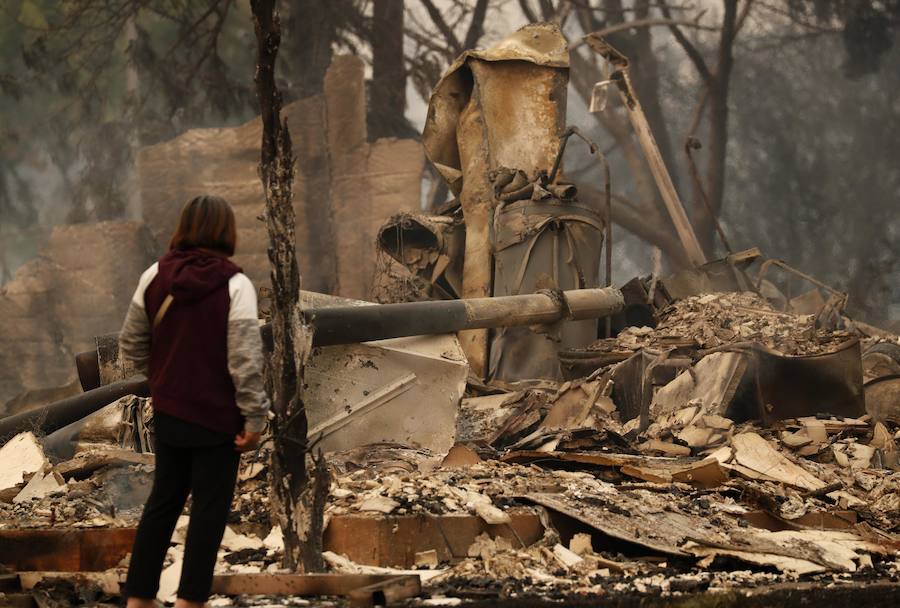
[795, 386]
[524, 111]
[500, 107]
[538, 44]
[493, 132]
[403, 390]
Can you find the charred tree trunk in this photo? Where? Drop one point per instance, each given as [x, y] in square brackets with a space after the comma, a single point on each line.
[387, 101]
[298, 494]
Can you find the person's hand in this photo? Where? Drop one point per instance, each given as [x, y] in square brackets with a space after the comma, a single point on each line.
[247, 441]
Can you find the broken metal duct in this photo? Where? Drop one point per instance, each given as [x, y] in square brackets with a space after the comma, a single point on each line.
[62, 413]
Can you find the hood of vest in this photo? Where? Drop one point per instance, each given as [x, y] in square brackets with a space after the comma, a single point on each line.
[193, 274]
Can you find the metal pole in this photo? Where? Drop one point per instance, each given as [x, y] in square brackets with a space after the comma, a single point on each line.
[348, 325]
[352, 324]
[692, 143]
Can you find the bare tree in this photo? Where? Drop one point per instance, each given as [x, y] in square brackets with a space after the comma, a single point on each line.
[67, 87]
[628, 28]
[313, 29]
[813, 179]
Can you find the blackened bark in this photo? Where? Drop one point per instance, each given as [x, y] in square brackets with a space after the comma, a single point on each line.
[387, 101]
[297, 496]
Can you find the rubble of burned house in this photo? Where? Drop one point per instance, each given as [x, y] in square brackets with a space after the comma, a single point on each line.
[551, 488]
[721, 438]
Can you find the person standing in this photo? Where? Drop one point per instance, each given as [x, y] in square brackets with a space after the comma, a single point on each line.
[192, 329]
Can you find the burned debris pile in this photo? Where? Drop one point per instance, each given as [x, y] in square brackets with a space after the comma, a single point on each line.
[719, 319]
[555, 487]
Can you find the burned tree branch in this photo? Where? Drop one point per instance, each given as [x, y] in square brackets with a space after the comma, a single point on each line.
[644, 23]
[526, 10]
[446, 31]
[476, 26]
[698, 113]
[692, 52]
[742, 18]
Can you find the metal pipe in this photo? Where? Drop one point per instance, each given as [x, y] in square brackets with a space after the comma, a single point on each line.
[62, 413]
[348, 325]
[88, 366]
[690, 144]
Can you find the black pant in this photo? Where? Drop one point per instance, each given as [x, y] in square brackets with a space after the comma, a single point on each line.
[208, 473]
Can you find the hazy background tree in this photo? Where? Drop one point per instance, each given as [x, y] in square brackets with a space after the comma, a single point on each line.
[84, 83]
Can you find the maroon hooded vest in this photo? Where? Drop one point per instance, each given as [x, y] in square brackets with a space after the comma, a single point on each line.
[188, 367]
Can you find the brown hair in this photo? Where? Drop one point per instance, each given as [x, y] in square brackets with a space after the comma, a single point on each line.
[207, 222]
